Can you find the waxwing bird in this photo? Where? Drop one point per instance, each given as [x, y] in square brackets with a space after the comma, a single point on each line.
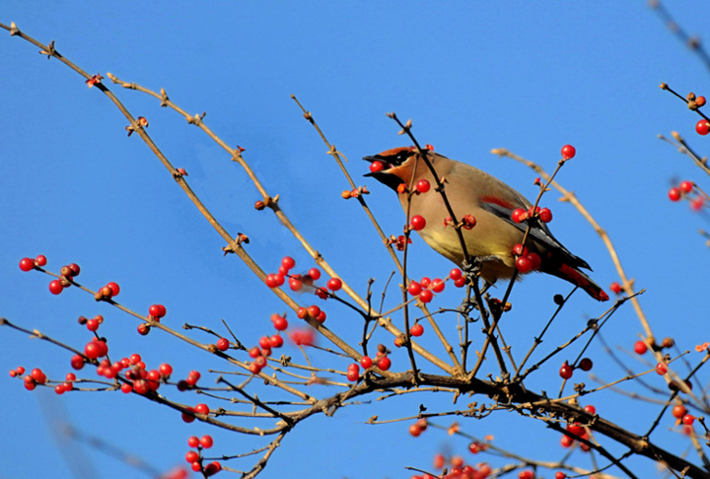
[491, 202]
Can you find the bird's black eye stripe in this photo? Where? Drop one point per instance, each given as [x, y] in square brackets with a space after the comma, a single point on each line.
[402, 156]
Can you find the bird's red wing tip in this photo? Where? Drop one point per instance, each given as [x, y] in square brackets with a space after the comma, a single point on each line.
[602, 296]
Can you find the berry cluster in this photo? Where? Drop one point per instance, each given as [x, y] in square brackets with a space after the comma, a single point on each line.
[195, 457]
[578, 430]
[458, 468]
[28, 264]
[526, 261]
[382, 361]
[688, 190]
[399, 241]
[566, 369]
[521, 214]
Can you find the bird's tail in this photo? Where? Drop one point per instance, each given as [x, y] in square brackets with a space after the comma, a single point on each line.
[576, 277]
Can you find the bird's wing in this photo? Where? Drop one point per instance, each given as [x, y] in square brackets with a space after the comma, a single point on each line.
[539, 231]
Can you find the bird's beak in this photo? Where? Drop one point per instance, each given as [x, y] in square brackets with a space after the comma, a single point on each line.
[373, 159]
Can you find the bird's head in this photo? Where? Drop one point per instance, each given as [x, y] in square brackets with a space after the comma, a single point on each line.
[393, 167]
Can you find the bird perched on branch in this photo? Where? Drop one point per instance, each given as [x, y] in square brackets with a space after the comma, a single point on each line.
[493, 218]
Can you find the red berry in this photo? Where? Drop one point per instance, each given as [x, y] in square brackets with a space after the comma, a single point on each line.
[115, 288]
[276, 341]
[523, 264]
[640, 347]
[686, 186]
[437, 285]
[590, 409]
[455, 274]
[526, 474]
[30, 383]
[254, 352]
[41, 260]
[519, 215]
[313, 311]
[353, 373]
[187, 417]
[416, 330]
[439, 461]
[92, 325]
[585, 364]
[460, 283]
[206, 441]
[674, 194]
[314, 273]
[92, 350]
[469, 221]
[661, 369]
[560, 475]
[568, 151]
[264, 342]
[700, 101]
[334, 284]
[274, 280]
[38, 376]
[545, 215]
[376, 166]
[519, 250]
[535, 260]
[615, 287]
[414, 288]
[576, 429]
[566, 441]
[143, 329]
[366, 362]
[426, 296]
[165, 370]
[566, 371]
[75, 269]
[295, 283]
[697, 203]
[223, 344]
[279, 321]
[135, 358]
[415, 430]
[77, 361]
[679, 411]
[423, 186]
[425, 282]
[417, 223]
[193, 441]
[287, 262]
[27, 264]
[157, 310]
[192, 456]
[688, 419]
[212, 468]
[702, 127]
[196, 466]
[55, 286]
[384, 363]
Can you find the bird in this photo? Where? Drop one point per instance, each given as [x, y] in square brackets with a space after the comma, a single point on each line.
[491, 203]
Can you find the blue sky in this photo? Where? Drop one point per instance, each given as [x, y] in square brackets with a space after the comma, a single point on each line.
[472, 77]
